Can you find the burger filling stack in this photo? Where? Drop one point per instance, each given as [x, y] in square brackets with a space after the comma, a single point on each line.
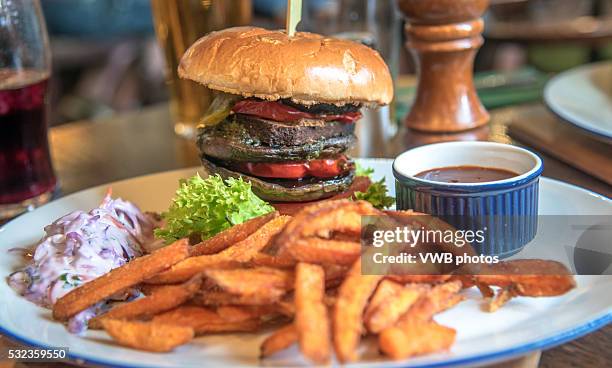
[285, 108]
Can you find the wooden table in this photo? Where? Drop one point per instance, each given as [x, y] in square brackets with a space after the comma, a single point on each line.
[92, 153]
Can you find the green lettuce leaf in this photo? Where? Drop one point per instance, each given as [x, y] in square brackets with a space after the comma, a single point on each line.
[208, 206]
[363, 171]
[377, 191]
[376, 195]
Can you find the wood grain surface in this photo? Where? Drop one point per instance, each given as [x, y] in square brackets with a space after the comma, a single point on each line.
[92, 153]
[566, 143]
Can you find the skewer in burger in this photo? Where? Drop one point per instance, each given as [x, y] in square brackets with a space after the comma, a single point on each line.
[285, 108]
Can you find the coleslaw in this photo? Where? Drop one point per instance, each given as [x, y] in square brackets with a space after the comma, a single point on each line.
[82, 246]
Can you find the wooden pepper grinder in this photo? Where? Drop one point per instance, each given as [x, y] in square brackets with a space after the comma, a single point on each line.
[443, 36]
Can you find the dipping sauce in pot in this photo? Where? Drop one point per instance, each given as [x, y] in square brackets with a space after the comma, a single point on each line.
[466, 174]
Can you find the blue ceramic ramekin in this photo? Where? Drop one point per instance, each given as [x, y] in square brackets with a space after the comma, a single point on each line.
[506, 210]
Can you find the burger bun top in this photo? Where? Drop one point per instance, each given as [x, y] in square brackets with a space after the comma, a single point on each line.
[307, 68]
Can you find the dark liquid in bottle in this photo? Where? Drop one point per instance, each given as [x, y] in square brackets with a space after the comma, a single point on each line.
[25, 163]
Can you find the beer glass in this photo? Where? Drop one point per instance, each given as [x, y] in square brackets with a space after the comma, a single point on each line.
[178, 24]
[26, 174]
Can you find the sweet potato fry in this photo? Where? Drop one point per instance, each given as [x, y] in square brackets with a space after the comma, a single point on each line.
[286, 308]
[452, 301]
[542, 286]
[231, 236]
[233, 256]
[334, 276]
[280, 340]
[216, 298]
[192, 266]
[148, 336]
[261, 280]
[324, 251]
[311, 318]
[485, 290]
[162, 300]
[235, 313]
[274, 261]
[121, 278]
[187, 315]
[246, 249]
[324, 218]
[438, 299]
[385, 290]
[252, 280]
[419, 279]
[148, 289]
[387, 313]
[250, 325]
[418, 220]
[204, 320]
[467, 280]
[523, 267]
[529, 277]
[348, 311]
[502, 297]
[334, 271]
[415, 339]
[330, 300]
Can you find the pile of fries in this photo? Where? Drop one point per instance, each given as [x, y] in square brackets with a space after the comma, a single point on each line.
[302, 276]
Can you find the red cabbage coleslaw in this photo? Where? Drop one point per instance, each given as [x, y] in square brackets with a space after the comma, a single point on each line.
[80, 247]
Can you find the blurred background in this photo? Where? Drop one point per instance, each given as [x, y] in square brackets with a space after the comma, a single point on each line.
[106, 58]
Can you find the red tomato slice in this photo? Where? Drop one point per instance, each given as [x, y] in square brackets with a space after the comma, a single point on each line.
[320, 168]
[276, 111]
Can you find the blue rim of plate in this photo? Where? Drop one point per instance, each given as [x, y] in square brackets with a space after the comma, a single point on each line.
[499, 355]
[599, 134]
[596, 134]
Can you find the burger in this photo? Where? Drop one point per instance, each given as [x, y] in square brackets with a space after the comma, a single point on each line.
[285, 108]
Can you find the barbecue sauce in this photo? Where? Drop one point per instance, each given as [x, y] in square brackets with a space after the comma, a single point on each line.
[466, 174]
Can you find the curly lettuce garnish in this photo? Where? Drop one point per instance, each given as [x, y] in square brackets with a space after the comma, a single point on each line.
[377, 191]
[205, 207]
[363, 171]
[376, 195]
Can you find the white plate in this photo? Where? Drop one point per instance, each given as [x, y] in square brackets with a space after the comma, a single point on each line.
[523, 325]
[582, 96]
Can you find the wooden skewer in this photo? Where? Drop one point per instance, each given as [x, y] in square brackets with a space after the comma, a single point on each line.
[294, 15]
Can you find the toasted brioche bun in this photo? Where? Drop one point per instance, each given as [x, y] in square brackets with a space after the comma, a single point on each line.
[307, 68]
